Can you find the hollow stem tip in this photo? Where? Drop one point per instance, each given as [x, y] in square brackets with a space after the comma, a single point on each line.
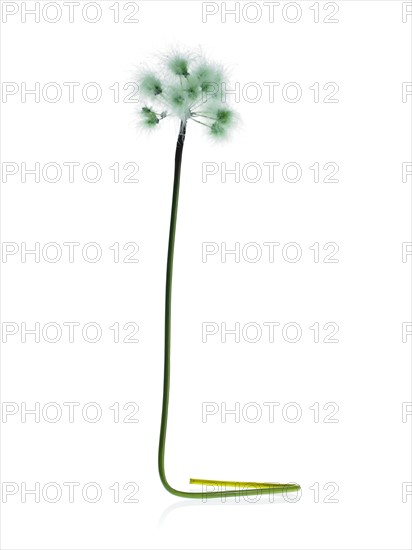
[248, 485]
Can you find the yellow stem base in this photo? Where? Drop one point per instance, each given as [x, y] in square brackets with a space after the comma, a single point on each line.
[242, 484]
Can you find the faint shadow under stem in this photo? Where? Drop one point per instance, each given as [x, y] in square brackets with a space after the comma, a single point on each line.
[274, 499]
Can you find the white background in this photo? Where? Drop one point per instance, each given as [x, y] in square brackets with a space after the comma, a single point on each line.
[367, 213]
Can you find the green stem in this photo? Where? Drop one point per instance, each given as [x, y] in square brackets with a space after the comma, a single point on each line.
[202, 123]
[260, 488]
[204, 116]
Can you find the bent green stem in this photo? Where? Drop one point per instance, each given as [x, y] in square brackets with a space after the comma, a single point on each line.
[242, 488]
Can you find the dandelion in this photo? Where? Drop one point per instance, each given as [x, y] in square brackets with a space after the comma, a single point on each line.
[179, 65]
[190, 89]
[149, 117]
[150, 85]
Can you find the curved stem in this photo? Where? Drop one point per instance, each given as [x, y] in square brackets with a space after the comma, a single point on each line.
[258, 488]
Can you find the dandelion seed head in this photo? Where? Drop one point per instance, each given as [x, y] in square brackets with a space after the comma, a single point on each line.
[179, 65]
[209, 76]
[150, 85]
[218, 130]
[149, 117]
[224, 116]
[190, 88]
